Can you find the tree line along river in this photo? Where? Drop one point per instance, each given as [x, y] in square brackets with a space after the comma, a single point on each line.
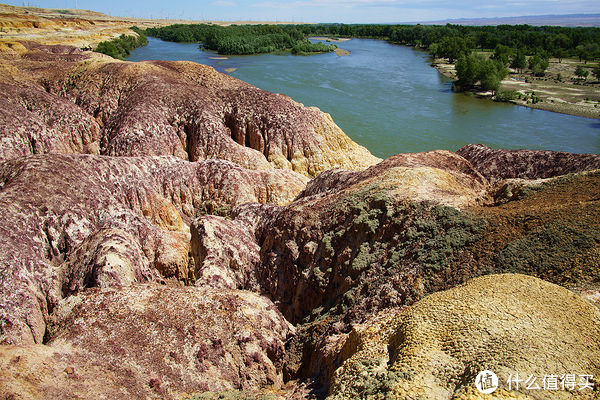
[388, 99]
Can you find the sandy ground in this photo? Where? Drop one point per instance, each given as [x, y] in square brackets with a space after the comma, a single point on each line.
[569, 95]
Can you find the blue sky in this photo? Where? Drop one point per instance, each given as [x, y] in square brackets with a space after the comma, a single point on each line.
[346, 11]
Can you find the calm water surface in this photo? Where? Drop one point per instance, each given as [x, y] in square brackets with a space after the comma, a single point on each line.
[391, 101]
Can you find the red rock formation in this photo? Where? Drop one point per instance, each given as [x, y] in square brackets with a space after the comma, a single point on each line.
[36, 122]
[226, 254]
[86, 239]
[182, 109]
[151, 341]
[79, 221]
[497, 165]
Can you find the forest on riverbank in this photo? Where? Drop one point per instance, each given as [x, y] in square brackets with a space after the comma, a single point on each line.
[514, 46]
[242, 39]
[120, 47]
[452, 40]
[449, 41]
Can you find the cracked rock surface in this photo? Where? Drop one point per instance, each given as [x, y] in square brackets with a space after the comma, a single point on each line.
[436, 348]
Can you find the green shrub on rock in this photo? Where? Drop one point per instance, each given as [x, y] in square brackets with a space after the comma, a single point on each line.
[121, 47]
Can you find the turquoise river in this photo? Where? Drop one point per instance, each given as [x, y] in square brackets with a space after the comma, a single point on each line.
[390, 100]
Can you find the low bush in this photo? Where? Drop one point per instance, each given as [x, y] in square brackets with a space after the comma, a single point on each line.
[506, 95]
[121, 47]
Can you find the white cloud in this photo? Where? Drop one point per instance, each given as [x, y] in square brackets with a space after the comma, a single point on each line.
[223, 3]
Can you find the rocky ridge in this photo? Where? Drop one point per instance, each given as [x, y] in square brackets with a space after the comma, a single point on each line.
[498, 165]
[332, 258]
[81, 28]
[79, 221]
[190, 250]
[182, 109]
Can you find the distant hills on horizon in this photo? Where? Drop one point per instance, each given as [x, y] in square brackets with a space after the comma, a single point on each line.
[568, 20]
[536, 20]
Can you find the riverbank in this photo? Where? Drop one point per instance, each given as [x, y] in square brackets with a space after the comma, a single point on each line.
[558, 91]
[338, 51]
[328, 39]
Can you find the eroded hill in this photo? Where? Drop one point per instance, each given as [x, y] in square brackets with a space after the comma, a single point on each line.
[173, 230]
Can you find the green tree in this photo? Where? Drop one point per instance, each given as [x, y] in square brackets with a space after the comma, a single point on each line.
[519, 61]
[506, 95]
[468, 70]
[594, 50]
[581, 53]
[473, 69]
[560, 54]
[581, 72]
[561, 40]
[120, 47]
[452, 48]
[491, 75]
[434, 49]
[538, 65]
[109, 48]
[502, 53]
[587, 52]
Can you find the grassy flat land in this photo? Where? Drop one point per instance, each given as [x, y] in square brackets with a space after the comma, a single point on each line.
[569, 95]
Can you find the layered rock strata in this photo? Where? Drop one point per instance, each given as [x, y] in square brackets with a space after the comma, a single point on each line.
[81, 28]
[499, 164]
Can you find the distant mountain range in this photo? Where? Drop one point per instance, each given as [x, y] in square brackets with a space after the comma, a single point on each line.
[557, 20]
